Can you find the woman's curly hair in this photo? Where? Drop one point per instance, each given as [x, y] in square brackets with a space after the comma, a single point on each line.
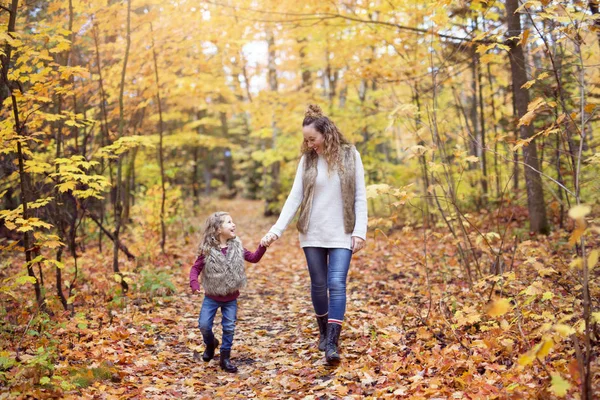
[333, 138]
[210, 237]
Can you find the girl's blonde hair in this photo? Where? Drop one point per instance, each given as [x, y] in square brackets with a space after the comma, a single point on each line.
[333, 138]
[210, 238]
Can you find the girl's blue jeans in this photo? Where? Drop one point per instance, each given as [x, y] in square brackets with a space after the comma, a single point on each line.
[207, 316]
[328, 269]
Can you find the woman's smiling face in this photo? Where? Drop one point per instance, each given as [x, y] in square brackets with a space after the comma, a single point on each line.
[313, 138]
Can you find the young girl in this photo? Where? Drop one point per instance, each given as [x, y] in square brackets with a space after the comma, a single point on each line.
[221, 262]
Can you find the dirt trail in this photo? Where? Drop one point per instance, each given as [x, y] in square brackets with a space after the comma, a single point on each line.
[275, 341]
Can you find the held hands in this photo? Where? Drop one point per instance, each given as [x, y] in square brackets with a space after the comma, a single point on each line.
[357, 244]
[268, 239]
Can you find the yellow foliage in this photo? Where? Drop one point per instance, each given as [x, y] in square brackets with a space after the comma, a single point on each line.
[374, 191]
[499, 307]
[559, 385]
[545, 348]
[564, 330]
[579, 211]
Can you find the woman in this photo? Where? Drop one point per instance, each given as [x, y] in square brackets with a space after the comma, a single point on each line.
[329, 189]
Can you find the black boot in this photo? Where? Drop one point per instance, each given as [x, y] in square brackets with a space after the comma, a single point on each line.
[209, 353]
[322, 322]
[226, 365]
[331, 348]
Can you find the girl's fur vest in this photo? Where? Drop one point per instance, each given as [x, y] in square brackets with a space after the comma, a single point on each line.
[224, 274]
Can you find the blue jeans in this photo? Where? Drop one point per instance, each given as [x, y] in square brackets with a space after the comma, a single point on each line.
[328, 269]
[207, 316]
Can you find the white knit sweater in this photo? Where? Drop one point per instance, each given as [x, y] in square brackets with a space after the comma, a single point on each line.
[326, 224]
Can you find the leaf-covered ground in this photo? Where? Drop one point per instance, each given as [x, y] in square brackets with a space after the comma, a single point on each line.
[414, 329]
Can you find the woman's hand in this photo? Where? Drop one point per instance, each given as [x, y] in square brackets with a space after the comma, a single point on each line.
[268, 239]
[357, 244]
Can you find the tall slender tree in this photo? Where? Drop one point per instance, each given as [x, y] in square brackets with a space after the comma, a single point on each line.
[538, 221]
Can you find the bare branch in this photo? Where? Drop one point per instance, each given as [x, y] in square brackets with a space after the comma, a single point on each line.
[324, 16]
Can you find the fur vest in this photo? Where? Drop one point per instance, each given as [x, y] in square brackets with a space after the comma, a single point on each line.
[347, 181]
[224, 274]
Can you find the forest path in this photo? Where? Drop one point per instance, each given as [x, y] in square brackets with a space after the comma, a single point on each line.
[275, 345]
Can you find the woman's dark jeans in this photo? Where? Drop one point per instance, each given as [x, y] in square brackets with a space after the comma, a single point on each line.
[328, 269]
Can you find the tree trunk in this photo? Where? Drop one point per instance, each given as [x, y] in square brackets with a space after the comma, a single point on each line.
[483, 156]
[495, 126]
[535, 195]
[118, 201]
[122, 247]
[428, 205]
[24, 178]
[274, 187]
[163, 230]
[129, 197]
[104, 122]
[474, 142]
[304, 68]
[5, 90]
[200, 156]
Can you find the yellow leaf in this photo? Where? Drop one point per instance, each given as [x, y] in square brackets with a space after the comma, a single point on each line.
[25, 279]
[547, 271]
[579, 211]
[548, 296]
[482, 48]
[542, 75]
[53, 244]
[118, 278]
[528, 84]
[527, 118]
[63, 187]
[524, 37]
[559, 386]
[544, 348]
[25, 228]
[535, 104]
[526, 359]
[499, 307]
[589, 107]
[593, 259]
[596, 317]
[534, 289]
[472, 159]
[576, 235]
[576, 263]
[564, 330]
[374, 191]
[488, 58]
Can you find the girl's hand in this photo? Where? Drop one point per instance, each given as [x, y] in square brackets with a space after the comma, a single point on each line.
[357, 244]
[268, 239]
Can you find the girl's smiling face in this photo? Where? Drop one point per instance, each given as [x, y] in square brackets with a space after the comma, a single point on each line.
[313, 138]
[227, 229]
